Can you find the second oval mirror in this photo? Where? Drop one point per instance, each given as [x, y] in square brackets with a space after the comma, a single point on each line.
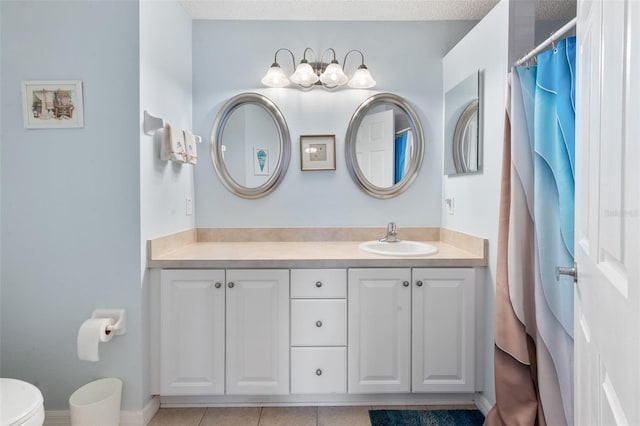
[250, 145]
[384, 145]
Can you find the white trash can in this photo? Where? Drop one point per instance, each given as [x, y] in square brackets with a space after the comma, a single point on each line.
[97, 403]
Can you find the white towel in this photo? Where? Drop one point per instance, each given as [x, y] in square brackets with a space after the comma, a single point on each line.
[190, 142]
[173, 146]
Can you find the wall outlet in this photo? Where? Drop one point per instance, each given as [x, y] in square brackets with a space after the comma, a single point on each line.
[449, 204]
[188, 206]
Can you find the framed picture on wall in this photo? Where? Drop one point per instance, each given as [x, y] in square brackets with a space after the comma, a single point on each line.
[261, 162]
[317, 152]
[52, 104]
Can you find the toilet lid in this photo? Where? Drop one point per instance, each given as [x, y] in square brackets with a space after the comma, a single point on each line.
[18, 401]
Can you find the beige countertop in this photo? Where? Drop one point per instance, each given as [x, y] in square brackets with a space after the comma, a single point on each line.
[308, 248]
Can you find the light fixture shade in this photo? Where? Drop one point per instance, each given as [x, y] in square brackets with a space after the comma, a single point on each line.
[275, 77]
[304, 75]
[333, 75]
[362, 79]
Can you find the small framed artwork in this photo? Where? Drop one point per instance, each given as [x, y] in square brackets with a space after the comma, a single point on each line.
[52, 104]
[261, 162]
[317, 152]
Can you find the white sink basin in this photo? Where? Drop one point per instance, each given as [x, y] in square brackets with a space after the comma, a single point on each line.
[400, 248]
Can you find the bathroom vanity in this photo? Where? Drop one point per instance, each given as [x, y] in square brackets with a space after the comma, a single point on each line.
[303, 316]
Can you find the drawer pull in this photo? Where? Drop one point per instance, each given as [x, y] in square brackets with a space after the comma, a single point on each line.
[318, 324]
[419, 283]
[405, 283]
[318, 372]
[318, 284]
[231, 284]
[218, 285]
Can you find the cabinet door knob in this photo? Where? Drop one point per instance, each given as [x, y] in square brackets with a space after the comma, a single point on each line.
[318, 372]
[405, 283]
[318, 284]
[318, 323]
[231, 284]
[419, 283]
[218, 285]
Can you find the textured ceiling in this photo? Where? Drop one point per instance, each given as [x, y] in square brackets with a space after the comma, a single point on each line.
[363, 10]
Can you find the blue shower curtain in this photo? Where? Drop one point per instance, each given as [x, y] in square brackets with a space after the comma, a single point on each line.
[400, 154]
[534, 312]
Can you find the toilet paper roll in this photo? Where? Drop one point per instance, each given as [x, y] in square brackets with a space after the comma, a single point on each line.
[91, 333]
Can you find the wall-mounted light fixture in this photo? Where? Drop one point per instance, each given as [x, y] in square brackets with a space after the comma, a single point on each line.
[308, 74]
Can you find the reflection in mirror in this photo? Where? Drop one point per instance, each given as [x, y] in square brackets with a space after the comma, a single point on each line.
[463, 134]
[384, 145]
[250, 145]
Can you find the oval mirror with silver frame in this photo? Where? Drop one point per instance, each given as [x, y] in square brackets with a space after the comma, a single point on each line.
[250, 145]
[384, 145]
[463, 122]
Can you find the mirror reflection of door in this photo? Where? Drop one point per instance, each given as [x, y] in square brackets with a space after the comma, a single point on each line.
[375, 148]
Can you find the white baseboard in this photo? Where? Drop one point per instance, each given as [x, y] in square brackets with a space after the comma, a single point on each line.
[127, 418]
[483, 404]
[150, 409]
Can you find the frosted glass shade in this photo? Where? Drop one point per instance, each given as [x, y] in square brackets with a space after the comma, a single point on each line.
[362, 79]
[333, 75]
[275, 77]
[304, 75]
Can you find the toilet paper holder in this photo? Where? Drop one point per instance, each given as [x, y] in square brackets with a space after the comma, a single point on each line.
[118, 316]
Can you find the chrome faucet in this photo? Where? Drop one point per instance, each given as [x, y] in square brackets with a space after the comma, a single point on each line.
[392, 234]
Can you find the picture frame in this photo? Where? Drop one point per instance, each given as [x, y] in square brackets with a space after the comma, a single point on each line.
[317, 152]
[52, 104]
[261, 162]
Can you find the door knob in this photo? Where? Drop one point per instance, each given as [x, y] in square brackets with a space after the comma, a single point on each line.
[567, 270]
[405, 283]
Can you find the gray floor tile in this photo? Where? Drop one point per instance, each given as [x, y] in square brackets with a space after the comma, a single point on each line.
[288, 416]
[343, 416]
[178, 417]
[231, 416]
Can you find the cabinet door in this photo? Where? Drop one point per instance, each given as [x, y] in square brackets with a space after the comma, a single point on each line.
[443, 330]
[257, 332]
[192, 332]
[379, 330]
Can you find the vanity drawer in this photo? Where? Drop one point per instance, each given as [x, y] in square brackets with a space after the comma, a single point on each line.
[318, 370]
[319, 322]
[318, 283]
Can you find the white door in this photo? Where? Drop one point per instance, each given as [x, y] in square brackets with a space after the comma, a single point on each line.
[379, 323]
[607, 228]
[443, 330]
[192, 332]
[257, 332]
[375, 143]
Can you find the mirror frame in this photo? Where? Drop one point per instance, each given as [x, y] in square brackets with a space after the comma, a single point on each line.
[350, 146]
[216, 145]
[459, 160]
[453, 155]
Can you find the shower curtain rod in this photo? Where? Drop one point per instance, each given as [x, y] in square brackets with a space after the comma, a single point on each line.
[552, 39]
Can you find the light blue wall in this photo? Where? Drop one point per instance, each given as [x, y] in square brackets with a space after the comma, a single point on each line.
[71, 197]
[230, 57]
[165, 91]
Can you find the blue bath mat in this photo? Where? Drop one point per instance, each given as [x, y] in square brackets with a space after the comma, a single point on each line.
[426, 418]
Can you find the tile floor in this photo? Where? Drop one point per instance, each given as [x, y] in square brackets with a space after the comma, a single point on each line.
[277, 416]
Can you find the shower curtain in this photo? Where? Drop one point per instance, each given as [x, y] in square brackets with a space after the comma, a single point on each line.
[534, 311]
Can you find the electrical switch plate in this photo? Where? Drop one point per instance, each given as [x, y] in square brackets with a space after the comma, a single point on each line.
[189, 206]
[449, 203]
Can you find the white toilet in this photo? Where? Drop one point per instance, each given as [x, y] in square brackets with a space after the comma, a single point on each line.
[21, 404]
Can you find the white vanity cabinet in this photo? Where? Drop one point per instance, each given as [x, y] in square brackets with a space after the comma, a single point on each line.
[379, 330]
[257, 324]
[411, 330]
[218, 327]
[318, 331]
[443, 330]
[192, 331]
